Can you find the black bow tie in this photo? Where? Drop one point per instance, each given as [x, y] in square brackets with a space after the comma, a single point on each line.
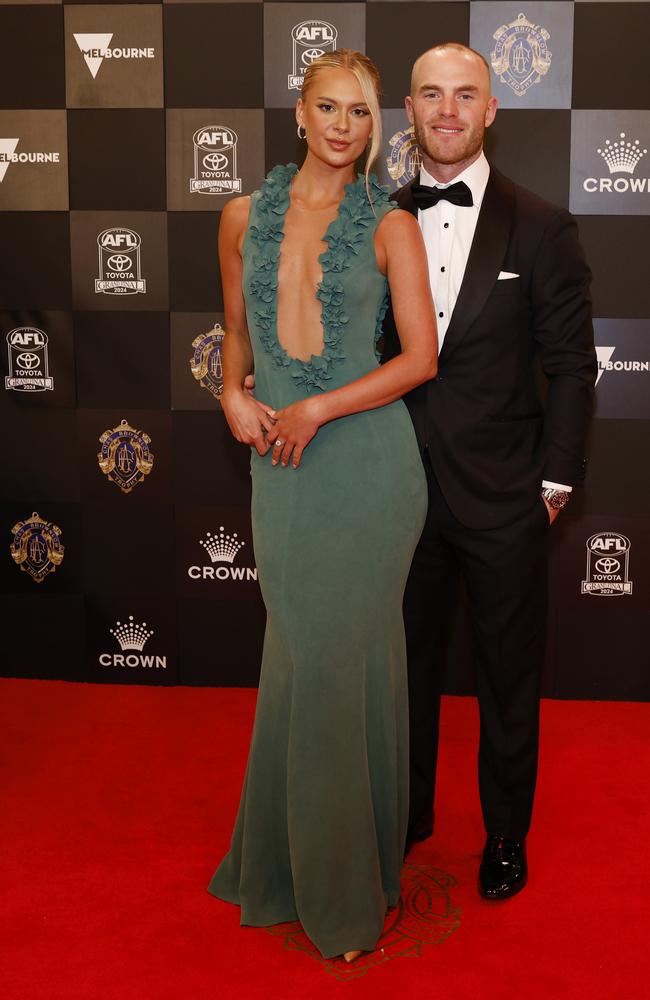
[458, 194]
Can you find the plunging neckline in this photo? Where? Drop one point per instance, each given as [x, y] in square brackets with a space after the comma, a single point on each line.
[343, 239]
[322, 240]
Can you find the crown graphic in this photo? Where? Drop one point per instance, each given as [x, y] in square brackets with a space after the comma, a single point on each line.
[221, 547]
[622, 157]
[131, 635]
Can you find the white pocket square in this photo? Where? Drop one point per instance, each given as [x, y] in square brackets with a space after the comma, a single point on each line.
[504, 275]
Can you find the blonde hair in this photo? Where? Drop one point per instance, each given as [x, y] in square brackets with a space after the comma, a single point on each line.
[368, 78]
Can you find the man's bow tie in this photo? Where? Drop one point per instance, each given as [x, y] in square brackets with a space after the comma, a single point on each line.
[458, 194]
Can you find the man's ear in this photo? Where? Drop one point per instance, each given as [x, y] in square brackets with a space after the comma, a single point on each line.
[491, 111]
[408, 104]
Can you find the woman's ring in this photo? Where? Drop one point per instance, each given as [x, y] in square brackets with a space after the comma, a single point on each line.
[279, 443]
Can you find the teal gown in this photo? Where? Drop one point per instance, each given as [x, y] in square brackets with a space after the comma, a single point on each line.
[321, 827]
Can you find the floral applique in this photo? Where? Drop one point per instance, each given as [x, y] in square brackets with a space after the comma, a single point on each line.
[345, 237]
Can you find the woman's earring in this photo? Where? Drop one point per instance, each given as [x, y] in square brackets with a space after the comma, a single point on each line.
[304, 132]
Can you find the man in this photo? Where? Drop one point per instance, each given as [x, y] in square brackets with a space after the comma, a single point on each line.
[510, 284]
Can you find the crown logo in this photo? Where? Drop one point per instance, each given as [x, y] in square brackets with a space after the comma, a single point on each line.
[131, 635]
[222, 547]
[622, 157]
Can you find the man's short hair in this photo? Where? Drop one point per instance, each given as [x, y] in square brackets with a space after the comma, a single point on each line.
[459, 47]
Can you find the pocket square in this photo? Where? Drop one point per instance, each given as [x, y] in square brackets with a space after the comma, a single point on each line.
[504, 275]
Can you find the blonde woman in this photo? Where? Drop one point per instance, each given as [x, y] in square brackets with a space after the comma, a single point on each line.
[339, 502]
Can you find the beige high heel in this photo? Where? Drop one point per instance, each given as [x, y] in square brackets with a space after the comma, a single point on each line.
[350, 956]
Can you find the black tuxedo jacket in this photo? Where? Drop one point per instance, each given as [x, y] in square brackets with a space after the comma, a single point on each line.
[490, 440]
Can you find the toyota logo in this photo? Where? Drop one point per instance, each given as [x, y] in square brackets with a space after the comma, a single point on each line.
[28, 361]
[309, 55]
[215, 161]
[607, 565]
[118, 262]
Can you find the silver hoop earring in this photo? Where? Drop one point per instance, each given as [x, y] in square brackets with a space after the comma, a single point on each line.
[304, 135]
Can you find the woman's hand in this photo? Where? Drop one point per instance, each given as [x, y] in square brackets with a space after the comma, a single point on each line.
[294, 428]
[249, 420]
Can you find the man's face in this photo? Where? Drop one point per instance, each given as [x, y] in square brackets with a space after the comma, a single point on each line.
[450, 106]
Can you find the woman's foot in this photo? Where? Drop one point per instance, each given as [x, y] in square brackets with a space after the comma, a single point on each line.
[350, 956]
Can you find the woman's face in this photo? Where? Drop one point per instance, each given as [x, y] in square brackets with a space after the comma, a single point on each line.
[336, 117]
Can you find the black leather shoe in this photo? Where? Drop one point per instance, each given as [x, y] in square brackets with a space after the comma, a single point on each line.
[503, 870]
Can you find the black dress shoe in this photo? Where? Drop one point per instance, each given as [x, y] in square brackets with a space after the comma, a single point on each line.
[503, 870]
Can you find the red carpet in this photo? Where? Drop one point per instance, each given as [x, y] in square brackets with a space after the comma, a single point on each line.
[118, 804]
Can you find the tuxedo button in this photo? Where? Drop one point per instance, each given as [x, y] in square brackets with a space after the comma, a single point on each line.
[441, 315]
[445, 225]
[443, 269]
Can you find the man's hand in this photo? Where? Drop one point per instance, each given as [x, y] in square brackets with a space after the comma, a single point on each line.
[249, 420]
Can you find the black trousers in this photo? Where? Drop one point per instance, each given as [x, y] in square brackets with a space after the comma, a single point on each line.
[504, 571]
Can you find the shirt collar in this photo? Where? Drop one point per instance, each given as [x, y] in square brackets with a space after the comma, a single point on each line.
[475, 176]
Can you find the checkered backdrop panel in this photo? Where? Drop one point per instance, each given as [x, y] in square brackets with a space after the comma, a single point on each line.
[124, 129]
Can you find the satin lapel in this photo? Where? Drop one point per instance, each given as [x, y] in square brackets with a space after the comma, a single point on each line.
[404, 197]
[485, 258]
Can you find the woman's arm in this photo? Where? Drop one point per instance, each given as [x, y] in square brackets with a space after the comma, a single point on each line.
[247, 418]
[402, 256]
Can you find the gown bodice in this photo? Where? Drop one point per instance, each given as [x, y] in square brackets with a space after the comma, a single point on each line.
[353, 292]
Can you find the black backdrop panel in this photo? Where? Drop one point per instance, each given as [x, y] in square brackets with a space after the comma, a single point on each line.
[32, 68]
[35, 260]
[117, 159]
[122, 359]
[124, 130]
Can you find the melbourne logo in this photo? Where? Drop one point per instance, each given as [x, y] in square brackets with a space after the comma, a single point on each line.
[606, 364]
[520, 57]
[37, 547]
[9, 155]
[404, 159]
[119, 263]
[206, 361]
[215, 161]
[222, 549]
[608, 565]
[310, 40]
[622, 158]
[28, 362]
[94, 47]
[125, 457]
[132, 639]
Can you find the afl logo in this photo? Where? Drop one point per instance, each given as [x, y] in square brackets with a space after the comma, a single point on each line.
[309, 40]
[28, 361]
[608, 565]
[215, 161]
[119, 262]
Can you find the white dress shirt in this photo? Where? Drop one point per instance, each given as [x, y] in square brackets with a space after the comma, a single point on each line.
[448, 231]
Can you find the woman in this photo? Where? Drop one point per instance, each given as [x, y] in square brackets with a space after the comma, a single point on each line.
[321, 826]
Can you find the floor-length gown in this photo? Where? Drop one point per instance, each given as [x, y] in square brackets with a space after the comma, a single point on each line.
[321, 826]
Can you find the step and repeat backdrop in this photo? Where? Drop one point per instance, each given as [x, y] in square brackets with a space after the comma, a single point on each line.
[124, 130]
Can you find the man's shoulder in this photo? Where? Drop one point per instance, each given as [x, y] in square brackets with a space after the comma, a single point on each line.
[402, 195]
[529, 205]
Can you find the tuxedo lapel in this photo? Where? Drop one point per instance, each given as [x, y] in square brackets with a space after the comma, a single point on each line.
[485, 258]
